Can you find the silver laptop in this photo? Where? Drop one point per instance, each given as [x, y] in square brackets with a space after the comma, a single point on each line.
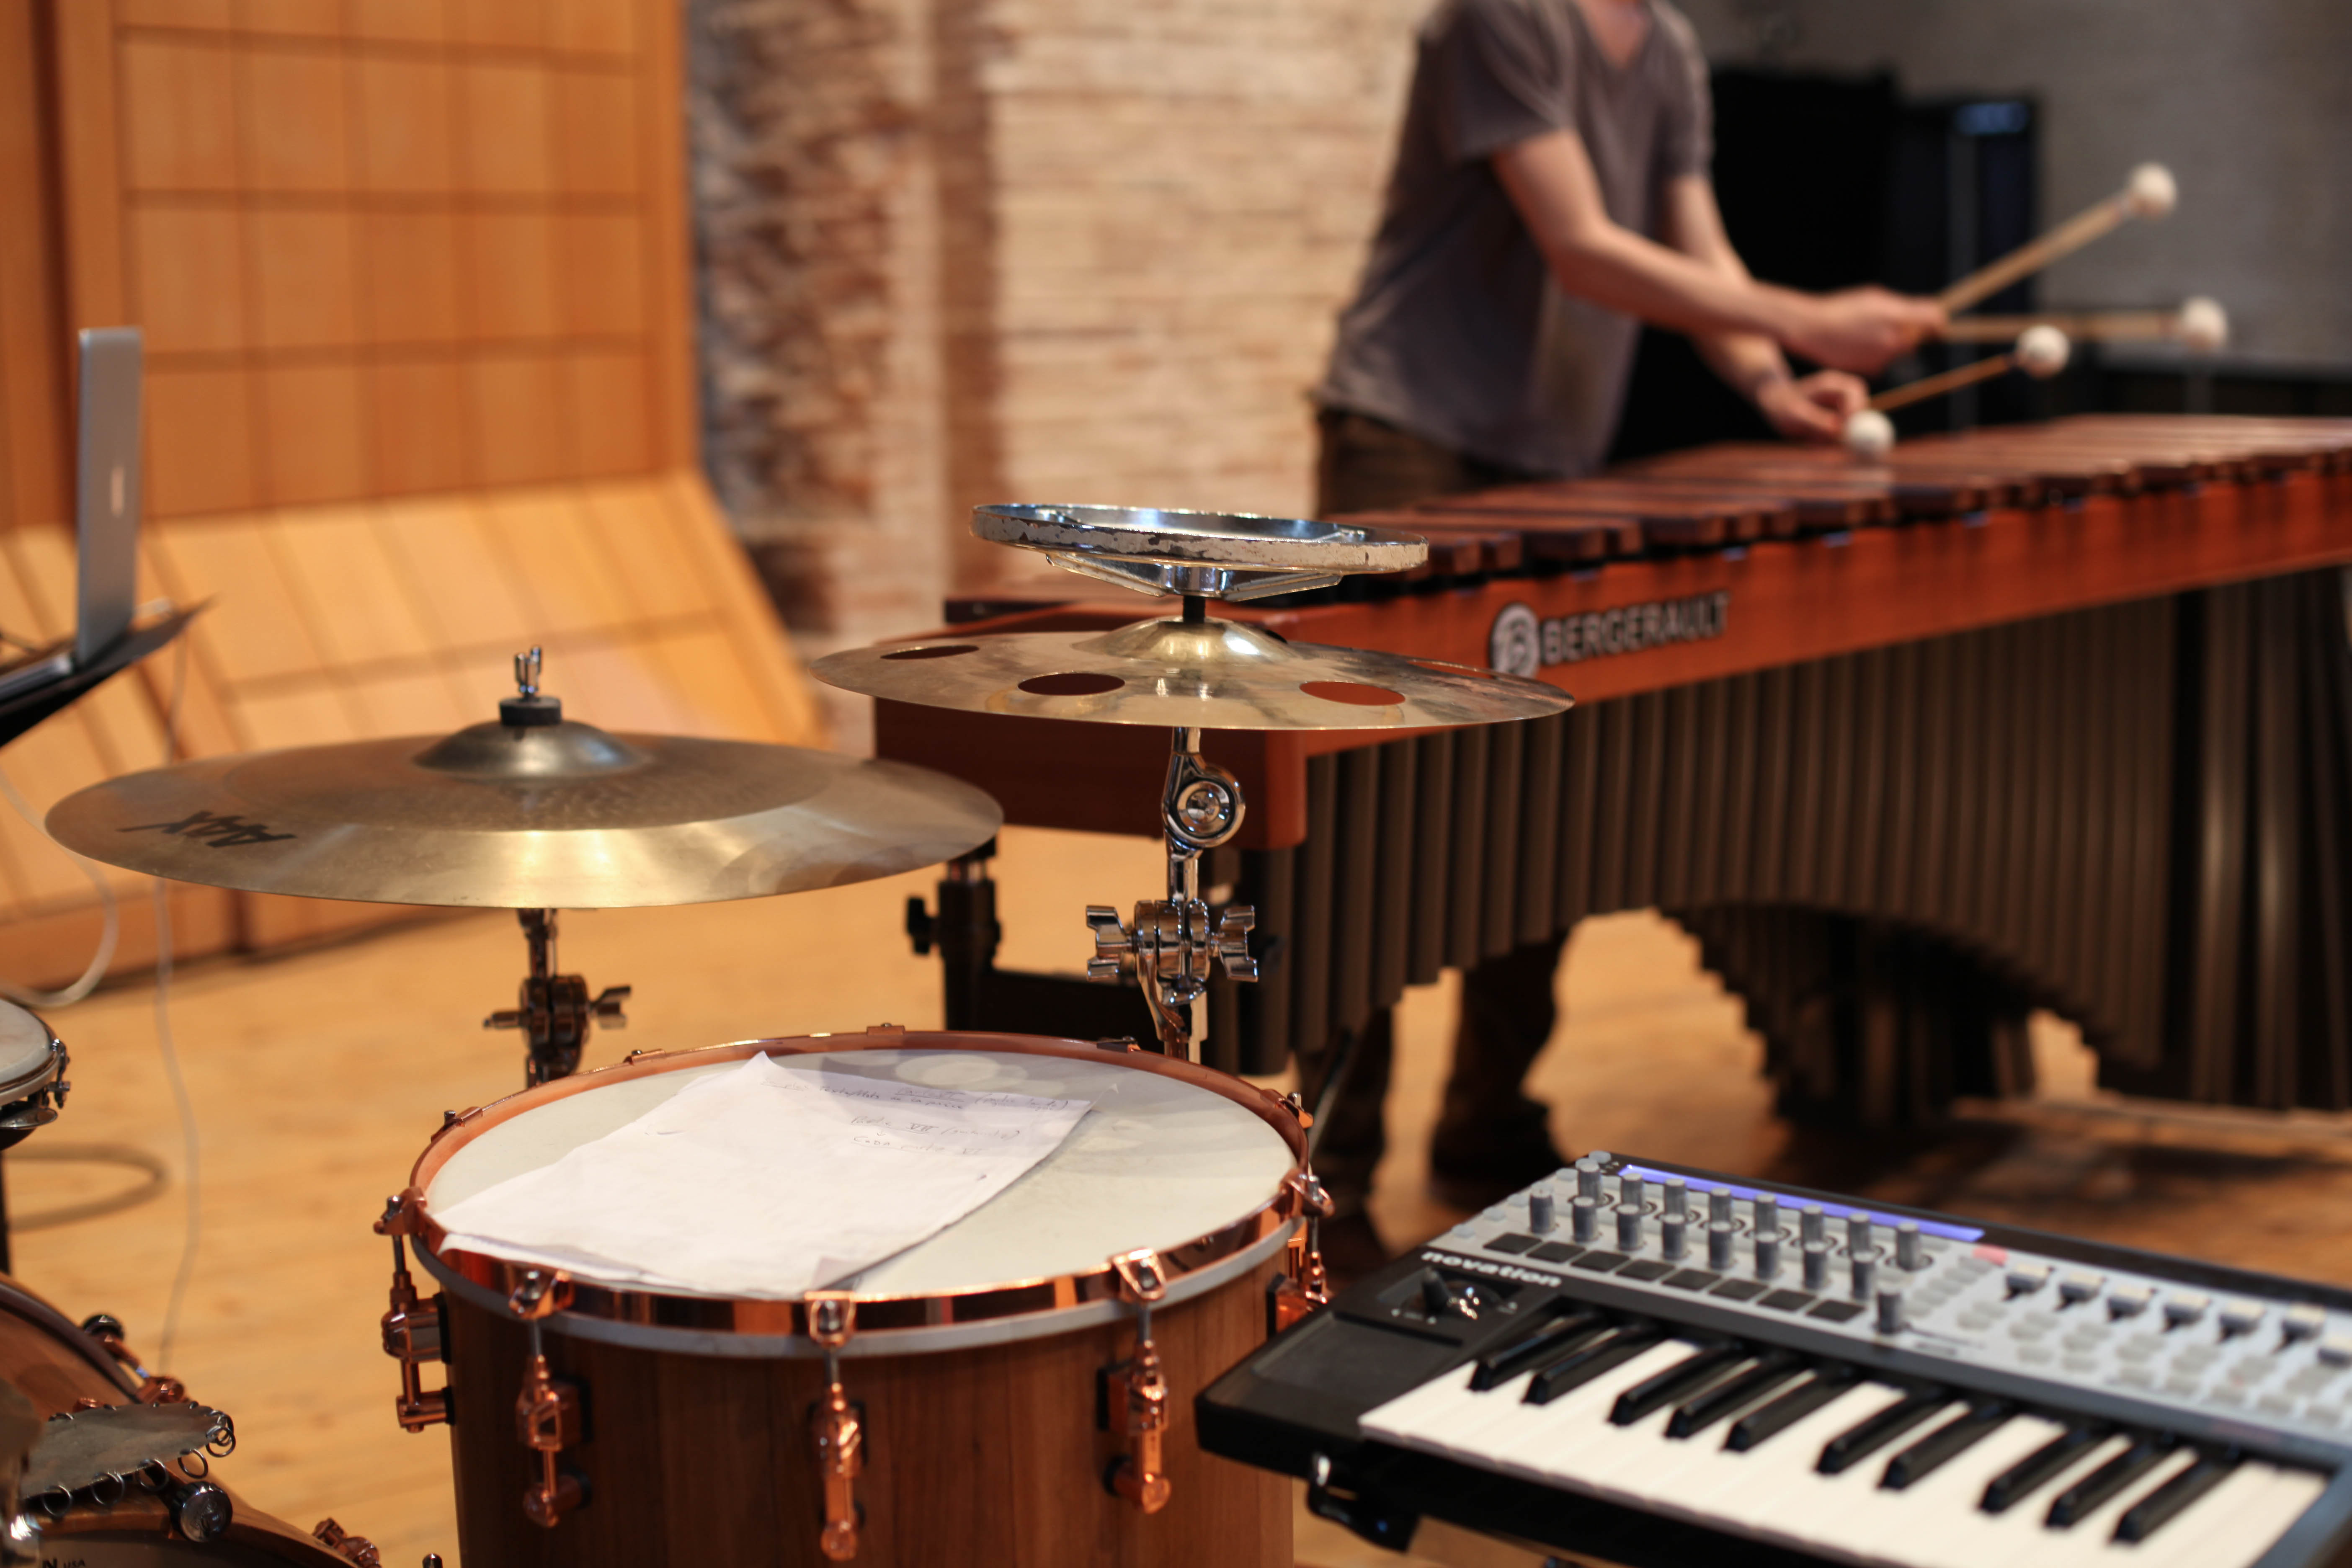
[106, 512]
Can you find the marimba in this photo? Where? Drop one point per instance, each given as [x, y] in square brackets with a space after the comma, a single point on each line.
[2050, 716]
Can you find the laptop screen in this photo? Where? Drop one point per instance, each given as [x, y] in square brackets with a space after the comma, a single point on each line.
[105, 501]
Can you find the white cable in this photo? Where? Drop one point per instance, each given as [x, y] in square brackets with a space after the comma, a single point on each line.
[192, 1145]
[109, 934]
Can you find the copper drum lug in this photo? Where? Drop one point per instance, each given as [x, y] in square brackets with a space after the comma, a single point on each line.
[411, 1327]
[547, 1417]
[836, 1425]
[1137, 1393]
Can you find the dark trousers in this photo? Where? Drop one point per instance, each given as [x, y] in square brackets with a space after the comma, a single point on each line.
[1508, 1011]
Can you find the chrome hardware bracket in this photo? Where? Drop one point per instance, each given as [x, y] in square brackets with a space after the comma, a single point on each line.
[547, 1411]
[1136, 1390]
[554, 1011]
[836, 1424]
[1304, 1289]
[412, 1326]
[1172, 944]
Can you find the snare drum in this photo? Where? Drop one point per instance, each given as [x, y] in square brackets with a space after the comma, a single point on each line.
[32, 1074]
[61, 1367]
[986, 1396]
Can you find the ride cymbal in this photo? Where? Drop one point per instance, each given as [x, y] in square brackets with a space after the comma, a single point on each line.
[546, 814]
[1207, 675]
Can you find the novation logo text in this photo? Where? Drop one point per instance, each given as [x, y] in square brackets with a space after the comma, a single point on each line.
[1522, 644]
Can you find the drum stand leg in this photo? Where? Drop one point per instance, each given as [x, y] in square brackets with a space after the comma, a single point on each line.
[1172, 944]
[555, 1009]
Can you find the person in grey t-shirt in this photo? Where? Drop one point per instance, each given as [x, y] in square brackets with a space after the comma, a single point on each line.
[1551, 192]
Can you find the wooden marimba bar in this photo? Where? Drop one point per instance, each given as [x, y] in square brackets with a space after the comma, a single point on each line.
[2055, 716]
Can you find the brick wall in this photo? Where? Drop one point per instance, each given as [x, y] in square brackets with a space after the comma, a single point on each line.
[960, 251]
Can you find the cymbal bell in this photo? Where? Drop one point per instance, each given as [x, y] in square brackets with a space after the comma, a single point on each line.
[1208, 675]
[541, 814]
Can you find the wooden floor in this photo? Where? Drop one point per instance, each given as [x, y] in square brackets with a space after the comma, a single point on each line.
[318, 1077]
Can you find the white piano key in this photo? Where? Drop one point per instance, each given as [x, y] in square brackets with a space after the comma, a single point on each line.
[2212, 1532]
[1784, 1460]
[1498, 1428]
[1812, 1509]
[1952, 1495]
[2254, 1527]
[1413, 1404]
[1537, 1441]
[2084, 1541]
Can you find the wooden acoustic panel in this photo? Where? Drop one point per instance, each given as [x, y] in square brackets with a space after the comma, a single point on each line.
[412, 276]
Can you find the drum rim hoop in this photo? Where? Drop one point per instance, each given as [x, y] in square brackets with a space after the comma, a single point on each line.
[876, 1313]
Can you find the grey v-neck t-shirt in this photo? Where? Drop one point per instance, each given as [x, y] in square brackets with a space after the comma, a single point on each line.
[1457, 333]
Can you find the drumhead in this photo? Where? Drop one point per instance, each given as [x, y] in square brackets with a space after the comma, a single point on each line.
[1157, 1161]
[27, 1051]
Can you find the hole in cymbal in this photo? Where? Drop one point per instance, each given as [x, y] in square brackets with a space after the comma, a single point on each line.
[1075, 683]
[1353, 693]
[944, 650]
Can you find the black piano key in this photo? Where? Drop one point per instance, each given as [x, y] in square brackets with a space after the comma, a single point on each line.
[1945, 1443]
[2029, 1474]
[1572, 1372]
[1860, 1441]
[1553, 1339]
[1733, 1395]
[1757, 1426]
[1678, 1382]
[2167, 1502]
[2105, 1481]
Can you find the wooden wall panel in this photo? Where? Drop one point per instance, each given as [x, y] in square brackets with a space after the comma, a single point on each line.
[420, 379]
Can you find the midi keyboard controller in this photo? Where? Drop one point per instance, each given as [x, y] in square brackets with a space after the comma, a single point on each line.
[1662, 1367]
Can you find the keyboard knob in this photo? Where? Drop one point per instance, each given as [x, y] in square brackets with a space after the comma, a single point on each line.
[1890, 1308]
[1908, 1252]
[1674, 1237]
[1857, 1234]
[1629, 1228]
[2184, 1309]
[1718, 1205]
[1584, 1220]
[1768, 1255]
[2128, 1300]
[1768, 1214]
[2301, 1323]
[1436, 1296]
[1817, 1265]
[1541, 1218]
[1677, 1198]
[1719, 1246]
[2335, 1349]
[1588, 1180]
[1813, 1225]
[1864, 1269]
[1632, 1192]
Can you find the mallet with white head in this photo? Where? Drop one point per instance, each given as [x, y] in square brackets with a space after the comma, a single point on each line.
[2149, 193]
[2042, 351]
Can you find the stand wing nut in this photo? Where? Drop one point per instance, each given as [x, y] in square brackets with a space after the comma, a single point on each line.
[1114, 945]
[1232, 939]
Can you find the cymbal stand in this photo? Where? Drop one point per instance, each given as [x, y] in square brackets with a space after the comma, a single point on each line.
[555, 1010]
[1172, 944]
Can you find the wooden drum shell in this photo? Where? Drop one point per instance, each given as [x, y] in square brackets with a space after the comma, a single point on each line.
[987, 1455]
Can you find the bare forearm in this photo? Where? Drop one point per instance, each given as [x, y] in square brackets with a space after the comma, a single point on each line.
[1621, 270]
[1747, 363]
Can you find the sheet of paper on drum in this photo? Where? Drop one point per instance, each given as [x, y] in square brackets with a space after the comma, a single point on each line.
[765, 1182]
